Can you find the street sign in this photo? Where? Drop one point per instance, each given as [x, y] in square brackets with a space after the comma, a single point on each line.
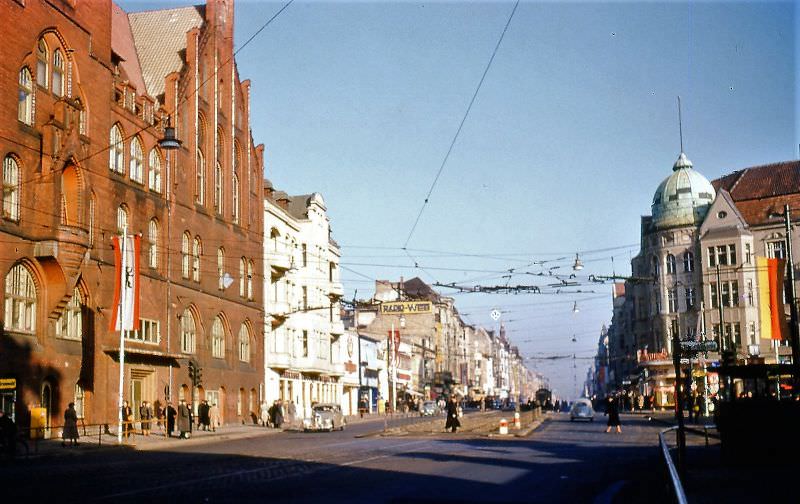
[686, 361]
[495, 314]
[699, 346]
[8, 383]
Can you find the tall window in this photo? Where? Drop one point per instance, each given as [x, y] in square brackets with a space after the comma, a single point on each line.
[154, 175]
[235, 198]
[137, 161]
[688, 261]
[58, 73]
[185, 241]
[748, 254]
[91, 220]
[672, 300]
[244, 344]
[116, 153]
[714, 291]
[20, 300]
[776, 249]
[305, 343]
[188, 332]
[218, 188]
[200, 190]
[122, 218]
[42, 61]
[217, 339]
[654, 270]
[670, 264]
[242, 277]
[221, 268]
[70, 323]
[25, 105]
[152, 241]
[690, 297]
[197, 251]
[10, 189]
[80, 401]
[250, 268]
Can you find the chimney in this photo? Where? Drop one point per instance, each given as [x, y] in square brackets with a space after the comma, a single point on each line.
[283, 202]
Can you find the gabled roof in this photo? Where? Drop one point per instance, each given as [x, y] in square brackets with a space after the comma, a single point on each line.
[418, 289]
[123, 45]
[761, 190]
[160, 38]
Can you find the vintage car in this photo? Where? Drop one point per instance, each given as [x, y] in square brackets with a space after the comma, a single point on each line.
[429, 408]
[581, 410]
[324, 416]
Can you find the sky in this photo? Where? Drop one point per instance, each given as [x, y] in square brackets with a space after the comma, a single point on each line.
[573, 128]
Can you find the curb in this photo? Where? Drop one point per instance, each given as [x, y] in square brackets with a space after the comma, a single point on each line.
[206, 439]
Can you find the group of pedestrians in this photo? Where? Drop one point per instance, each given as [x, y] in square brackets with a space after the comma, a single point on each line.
[279, 414]
[207, 416]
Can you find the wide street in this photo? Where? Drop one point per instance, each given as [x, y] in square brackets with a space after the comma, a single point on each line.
[560, 462]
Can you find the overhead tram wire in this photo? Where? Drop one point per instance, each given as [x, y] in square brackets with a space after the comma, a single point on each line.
[461, 125]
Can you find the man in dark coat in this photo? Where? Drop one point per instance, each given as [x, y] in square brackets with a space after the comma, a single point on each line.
[202, 413]
[612, 410]
[184, 422]
[452, 422]
[171, 413]
[8, 433]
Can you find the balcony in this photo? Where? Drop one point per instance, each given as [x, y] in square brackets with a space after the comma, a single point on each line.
[281, 360]
[278, 309]
[317, 365]
[336, 290]
[337, 327]
[279, 258]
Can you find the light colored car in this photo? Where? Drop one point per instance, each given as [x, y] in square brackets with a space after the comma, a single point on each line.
[324, 416]
[581, 410]
[429, 408]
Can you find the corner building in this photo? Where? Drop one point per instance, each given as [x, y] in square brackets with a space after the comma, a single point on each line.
[86, 92]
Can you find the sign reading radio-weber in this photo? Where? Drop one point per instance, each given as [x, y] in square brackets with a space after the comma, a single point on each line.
[405, 307]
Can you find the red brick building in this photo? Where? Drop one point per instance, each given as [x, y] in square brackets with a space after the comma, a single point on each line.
[85, 91]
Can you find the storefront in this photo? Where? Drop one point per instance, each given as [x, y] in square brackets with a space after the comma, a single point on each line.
[8, 396]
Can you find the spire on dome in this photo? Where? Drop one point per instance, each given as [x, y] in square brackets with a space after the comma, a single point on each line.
[682, 162]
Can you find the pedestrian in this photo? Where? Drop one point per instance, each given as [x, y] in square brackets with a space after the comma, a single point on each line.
[291, 413]
[70, 431]
[612, 410]
[145, 415]
[640, 401]
[202, 413]
[127, 419]
[171, 414]
[278, 414]
[213, 416]
[8, 433]
[184, 420]
[452, 422]
[264, 414]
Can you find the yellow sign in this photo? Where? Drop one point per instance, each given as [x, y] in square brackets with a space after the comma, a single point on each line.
[407, 307]
[8, 383]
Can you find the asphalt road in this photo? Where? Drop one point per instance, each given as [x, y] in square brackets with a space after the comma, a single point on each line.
[560, 462]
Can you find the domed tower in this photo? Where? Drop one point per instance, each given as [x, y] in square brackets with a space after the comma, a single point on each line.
[683, 198]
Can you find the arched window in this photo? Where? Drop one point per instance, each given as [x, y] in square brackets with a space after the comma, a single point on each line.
[250, 268]
[200, 191]
[10, 189]
[42, 62]
[20, 300]
[670, 264]
[152, 241]
[242, 277]
[244, 344]
[688, 261]
[185, 255]
[137, 161]
[58, 73]
[122, 218]
[197, 251]
[221, 268]
[154, 176]
[217, 338]
[70, 323]
[219, 144]
[116, 153]
[188, 332]
[218, 188]
[235, 198]
[25, 105]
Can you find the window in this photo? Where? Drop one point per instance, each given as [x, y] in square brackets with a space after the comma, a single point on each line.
[42, 59]
[137, 161]
[729, 294]
[305, 298]
[752, 339]
[217, 339]
[150, 332]
[58, 73]
[235, 198]
[749, 292]
[305, 255]
[670, 264]
[776, 249]
[748, 254]
[655, 266]
[242, 277]
[732, 255]
[80, 401]
[221, 268]
[218, 188]
[250, 268]
[83, 126]
[244, 344]
[305, 343]
[152, 241]
[712, 257]
[122, 218]
[20, 300]
[690, 297]
[200, 192]
[674, 331]
[25, 105]
[154, 175]
[185, 254]
[91, 220]
[714, 291]
[737, 333]
[10, 189]
[70, 324]
[188, 332]
[726, 294]
[116, 152]
[197, 251]
[722, 255]
[688, 262]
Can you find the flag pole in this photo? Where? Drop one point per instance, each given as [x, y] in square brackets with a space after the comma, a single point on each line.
[121, 324]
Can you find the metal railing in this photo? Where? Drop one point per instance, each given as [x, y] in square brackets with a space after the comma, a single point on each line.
[677, 486]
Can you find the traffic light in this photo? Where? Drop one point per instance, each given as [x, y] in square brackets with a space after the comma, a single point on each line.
[195, 373]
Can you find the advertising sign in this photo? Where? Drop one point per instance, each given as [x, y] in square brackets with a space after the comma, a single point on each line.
[407, 307]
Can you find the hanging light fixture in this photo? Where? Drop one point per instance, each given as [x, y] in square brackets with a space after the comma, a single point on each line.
[575, 307]
[578, 265]
[169, 141]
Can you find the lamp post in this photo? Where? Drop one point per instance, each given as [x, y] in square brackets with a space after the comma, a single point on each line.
[795, 334]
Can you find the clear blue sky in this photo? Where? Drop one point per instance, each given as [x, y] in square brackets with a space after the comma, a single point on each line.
[574, 128]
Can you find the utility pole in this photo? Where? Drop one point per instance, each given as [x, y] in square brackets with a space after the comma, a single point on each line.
[795, 333]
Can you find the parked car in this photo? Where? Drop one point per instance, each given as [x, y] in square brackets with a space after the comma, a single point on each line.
[429, 408]
[324, 416]
[581, 410]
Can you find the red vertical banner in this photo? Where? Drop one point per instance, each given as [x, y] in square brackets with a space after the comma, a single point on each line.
[776, 269]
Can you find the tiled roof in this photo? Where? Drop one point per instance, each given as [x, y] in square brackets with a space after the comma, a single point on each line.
[760, 190]
[298, 206]
[122, 44]
[160, 37]
[416, 288]
[756, 212]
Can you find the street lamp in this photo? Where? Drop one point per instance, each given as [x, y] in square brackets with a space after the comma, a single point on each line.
[795, 334]
[578, 265]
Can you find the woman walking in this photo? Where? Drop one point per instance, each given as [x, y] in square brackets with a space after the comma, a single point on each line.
[146, 415]
[612, 410]
[452, 422]
[70, 432]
